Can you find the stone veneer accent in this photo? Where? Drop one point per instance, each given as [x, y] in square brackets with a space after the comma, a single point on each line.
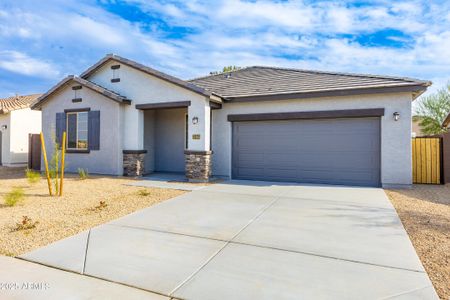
[198, 165]
[133, 162]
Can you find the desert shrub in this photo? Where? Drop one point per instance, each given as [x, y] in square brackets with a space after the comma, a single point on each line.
[101, 205]
[143, 192]
[14, 196]
[32, 176]
[26, 224]
[83, 173]
[54, 165]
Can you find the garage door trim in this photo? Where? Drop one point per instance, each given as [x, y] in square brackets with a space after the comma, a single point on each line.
[234, 162]
[305, 115]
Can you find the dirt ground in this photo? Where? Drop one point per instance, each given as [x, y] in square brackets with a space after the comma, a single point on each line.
[425, 214]
[75, 211]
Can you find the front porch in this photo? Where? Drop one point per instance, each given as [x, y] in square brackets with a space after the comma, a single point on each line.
[175, 139]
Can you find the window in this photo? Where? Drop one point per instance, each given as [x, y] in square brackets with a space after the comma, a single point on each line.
[77, 130]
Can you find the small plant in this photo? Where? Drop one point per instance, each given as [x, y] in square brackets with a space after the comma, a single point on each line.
[32, 176]
[83, 173]
[101, 205]
[14, 196]
[144, 193]
[54, 164]
[26, 224]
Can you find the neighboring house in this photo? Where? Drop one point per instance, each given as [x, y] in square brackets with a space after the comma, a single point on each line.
[258, 123]
[17, 121]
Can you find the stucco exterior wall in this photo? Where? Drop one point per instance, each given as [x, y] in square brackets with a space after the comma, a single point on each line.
[23, 122]
[149, 141]
[5, 148]
[19, 124]
[142, 88]
[107, 160]
[395, 136]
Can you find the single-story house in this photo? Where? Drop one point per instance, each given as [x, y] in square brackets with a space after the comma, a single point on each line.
[256, 123]
[17, 121]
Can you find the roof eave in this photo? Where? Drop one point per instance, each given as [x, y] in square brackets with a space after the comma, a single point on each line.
[420, 88]
[216, 98]
[37, 105]
[39, 101]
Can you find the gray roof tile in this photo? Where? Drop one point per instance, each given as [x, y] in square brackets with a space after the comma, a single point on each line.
[259, 81]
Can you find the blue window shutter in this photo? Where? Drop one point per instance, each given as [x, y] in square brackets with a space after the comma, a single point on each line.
[94, 130]
[60, 127]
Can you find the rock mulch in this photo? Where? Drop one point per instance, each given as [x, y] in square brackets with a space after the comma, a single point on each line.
[425, 214]
[77, 210]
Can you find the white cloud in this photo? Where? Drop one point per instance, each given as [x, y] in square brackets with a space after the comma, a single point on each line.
[342, 18]
[87, 28]
[74, 34]
[252, 14]
[21, 63]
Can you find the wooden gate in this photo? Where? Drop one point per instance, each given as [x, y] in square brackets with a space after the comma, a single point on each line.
[427, 160]
[34, 152]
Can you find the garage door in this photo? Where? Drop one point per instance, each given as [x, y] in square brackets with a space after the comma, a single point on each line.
[330, 151]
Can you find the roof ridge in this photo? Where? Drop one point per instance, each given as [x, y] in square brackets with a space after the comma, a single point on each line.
[16, 102]
[399, 78]
[15, 97]
[219, 74]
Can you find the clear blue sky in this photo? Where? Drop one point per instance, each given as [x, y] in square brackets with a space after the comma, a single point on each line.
[43, 41]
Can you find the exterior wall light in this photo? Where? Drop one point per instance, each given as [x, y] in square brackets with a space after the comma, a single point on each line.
[396, 116]
[4, 127]
[194, 120]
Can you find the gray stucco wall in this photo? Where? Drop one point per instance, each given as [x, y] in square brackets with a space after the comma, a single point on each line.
[149, 140]
[5, 147]
[169, 140]
[143, 88]
[396, 155]
[107, 160]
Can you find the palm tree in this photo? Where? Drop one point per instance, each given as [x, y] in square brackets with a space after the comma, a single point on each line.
[432, 110]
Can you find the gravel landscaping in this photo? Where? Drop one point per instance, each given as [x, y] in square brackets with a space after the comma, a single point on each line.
[424, 211]
[77, 210]
[425, 214]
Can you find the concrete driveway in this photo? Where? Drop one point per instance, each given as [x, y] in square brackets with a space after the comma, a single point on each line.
[253, 240]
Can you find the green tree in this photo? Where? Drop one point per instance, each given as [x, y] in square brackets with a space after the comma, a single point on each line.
[432, 110]
[225, 69]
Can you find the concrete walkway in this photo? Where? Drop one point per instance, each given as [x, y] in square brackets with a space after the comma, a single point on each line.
[174, 181]
[253, 240]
